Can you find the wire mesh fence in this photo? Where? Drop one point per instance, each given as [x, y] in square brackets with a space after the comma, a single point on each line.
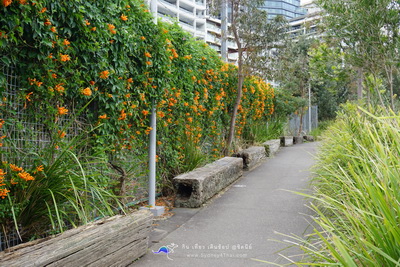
[29, 134]
[9, 240]
[299, 126]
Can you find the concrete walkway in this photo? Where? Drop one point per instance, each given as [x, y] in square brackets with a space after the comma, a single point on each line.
[241, 224]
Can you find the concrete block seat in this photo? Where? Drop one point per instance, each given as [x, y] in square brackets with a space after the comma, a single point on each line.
[196, 187]
[272, 146]
[252, 156]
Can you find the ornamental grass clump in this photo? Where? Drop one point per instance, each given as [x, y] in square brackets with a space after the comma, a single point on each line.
[357, 192]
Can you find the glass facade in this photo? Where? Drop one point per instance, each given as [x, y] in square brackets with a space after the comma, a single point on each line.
[286, 8]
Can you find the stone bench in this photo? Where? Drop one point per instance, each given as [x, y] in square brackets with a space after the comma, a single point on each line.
[286, 140]
[309, 138]
[272, 146]
[297, 140]
[252, 156]
[196, 187]
[115, 241]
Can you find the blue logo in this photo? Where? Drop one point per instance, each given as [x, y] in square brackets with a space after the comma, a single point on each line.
[166, 249]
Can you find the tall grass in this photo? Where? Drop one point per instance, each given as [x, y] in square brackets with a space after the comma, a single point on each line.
[357, 192]
[72, 189]
[263, 131]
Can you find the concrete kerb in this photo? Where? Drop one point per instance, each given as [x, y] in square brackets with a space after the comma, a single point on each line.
[252, 156]
[196, 187]
[286, 141]
[272, 147]
[298, 140]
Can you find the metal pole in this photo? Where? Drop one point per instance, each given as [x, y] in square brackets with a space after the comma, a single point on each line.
[152, 156]
[153, 134]
[224, 30]
[154, 10]
[309, 107]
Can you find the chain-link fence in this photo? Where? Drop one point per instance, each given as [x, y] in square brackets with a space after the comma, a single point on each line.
[28, 133]
[311, 116]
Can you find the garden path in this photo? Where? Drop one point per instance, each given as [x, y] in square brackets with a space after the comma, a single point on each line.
[243, 223]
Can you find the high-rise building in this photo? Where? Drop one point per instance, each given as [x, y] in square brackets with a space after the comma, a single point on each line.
[307, 25]
[190, 14]
[287, 8]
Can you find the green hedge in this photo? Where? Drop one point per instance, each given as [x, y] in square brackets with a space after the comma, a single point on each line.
[104, 63]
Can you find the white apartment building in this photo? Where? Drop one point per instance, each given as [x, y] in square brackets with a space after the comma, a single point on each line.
[213, 39]
[190, 14]
[306, 25]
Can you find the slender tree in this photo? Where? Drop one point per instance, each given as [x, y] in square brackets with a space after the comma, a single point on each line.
[254, 36]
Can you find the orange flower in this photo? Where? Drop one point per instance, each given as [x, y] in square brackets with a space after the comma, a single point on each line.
[39, 168]
[28, 96]
[66, 42]
[122, 115]
[54, 75]
[43, 10]
[62, 134]
[2, 173]
[53, 29]
[130, 80]
[145, 112]
[147, 54]
[64, 57]
[104, 74]
[15, 168]
[87, 91]
[62, 111]
[148, 130]
[3, 193]
[6, 3]
[142, 38]
[104, 116]
[92, 82]
[124, 18]
[1, 123]
[47, 22]
[93, 29]
[148, 63]
[59, 88]
[22, 2]
[87, 22]
[26, 176]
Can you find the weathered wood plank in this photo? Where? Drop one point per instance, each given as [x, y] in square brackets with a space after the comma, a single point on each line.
[117, 239]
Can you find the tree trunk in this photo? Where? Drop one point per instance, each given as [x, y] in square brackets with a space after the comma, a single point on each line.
[377, 90]
[359, 84]
[389, 74]
[239, 91]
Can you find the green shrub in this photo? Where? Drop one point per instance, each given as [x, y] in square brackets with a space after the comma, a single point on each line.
[111, 55]
[356, 192]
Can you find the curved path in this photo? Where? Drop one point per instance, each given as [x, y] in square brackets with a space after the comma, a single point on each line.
[241, 224]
